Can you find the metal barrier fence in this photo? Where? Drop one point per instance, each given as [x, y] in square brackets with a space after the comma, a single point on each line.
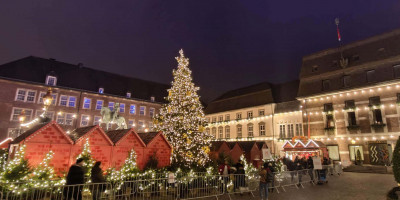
[183, 187]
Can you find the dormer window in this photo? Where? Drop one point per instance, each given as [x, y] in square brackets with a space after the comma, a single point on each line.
[152, 99]
[128, 95]
[51, 80]
[101, 90]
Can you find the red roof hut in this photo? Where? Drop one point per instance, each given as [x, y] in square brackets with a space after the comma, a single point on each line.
[156, 144]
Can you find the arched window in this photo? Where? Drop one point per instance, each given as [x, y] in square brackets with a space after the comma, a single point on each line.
[250, 130]
[214, 132]
[239, 131]
[227, 131]
[220, 132]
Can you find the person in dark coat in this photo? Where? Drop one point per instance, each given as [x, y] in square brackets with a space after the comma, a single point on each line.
[97, 178]
[240, 176]
[310, 167]
[76, 176]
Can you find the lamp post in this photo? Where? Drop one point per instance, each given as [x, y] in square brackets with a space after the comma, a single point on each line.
[47, 100]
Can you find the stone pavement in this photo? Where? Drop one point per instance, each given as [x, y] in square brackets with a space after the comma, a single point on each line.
[348, 186]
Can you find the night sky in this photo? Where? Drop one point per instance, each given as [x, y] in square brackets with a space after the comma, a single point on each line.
[230, 43]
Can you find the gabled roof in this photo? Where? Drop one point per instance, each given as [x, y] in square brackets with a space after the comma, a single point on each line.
[249, 96]
[232, 144]
[117, 135]
[38, 127]
[261, 144]
[216, 145]
[148, 137]
[246, 145]
[78, 133]
[76, 76]
[254, 95]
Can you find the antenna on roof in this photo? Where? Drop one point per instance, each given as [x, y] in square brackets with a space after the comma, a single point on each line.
[343, 62]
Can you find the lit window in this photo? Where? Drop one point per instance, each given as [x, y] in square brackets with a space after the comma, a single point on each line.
[51, 80]
[96, 120]
[69, 118]
[84, 120]
[61, 118]
[16, 113]
[101, 90]
[121, 107]
[131, 123]
[25, 95]
[49, 114]
[142, 110]
[333, 151]
[290, 130]
[214, 132]
[86, 103]
[152, 99]
[299, 130]
[54, 101]
[132, 109]
[63, 100]
[128, 95]
[151, 112]
[141, 124]
[71, 101]
[99, 104]
[111, 105]
[354, 149]
[151, 125]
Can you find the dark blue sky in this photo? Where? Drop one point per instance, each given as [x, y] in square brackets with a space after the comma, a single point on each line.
[230, 43]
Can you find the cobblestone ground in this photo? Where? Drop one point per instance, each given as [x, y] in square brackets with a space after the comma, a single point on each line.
[359, 186]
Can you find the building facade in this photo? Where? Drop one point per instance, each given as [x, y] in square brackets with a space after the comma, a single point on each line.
[350, 95]
[261, 112]
[78, 93]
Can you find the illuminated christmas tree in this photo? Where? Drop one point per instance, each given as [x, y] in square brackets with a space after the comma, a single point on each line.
[86, 155]
[17, 169]
[43, 174]
[182, 119]
[129, 169]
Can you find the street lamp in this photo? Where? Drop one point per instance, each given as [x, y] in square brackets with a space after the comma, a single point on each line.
[47, 100]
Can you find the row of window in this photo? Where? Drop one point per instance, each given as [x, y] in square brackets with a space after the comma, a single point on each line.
[68, 118]
[238, 116]
[52, 81]
[239, 134]
[26, 95]
[287, 130]
[370, 77]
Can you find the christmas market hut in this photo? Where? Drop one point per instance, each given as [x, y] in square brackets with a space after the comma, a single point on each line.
[251, 152]
[124, 141]
[40, 140]
[218, 147]
[304, 148]
[158, 146]
[236, 151]
[100, 144]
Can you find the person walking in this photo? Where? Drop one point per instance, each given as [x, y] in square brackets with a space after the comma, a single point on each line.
[271, 176]
[240, 176]
[310, 167]
[75, 178]
[224, 170]
[98, 180]
[263, 181]
[299, 169]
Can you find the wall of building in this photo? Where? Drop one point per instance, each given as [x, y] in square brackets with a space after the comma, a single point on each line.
[9, 127]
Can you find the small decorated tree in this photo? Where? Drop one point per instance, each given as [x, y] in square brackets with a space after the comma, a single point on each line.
[86, 155]
[43, 174]
[129, 169]
[17, 170]
[182, 120]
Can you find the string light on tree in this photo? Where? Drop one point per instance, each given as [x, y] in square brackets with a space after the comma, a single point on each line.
[86, 154]
[182, 119]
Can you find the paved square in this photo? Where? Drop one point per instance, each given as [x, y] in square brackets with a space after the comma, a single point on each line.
[348, 186]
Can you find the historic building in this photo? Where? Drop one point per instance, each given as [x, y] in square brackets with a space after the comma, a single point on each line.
[78, 94]
[350, 97]
[262, 112]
